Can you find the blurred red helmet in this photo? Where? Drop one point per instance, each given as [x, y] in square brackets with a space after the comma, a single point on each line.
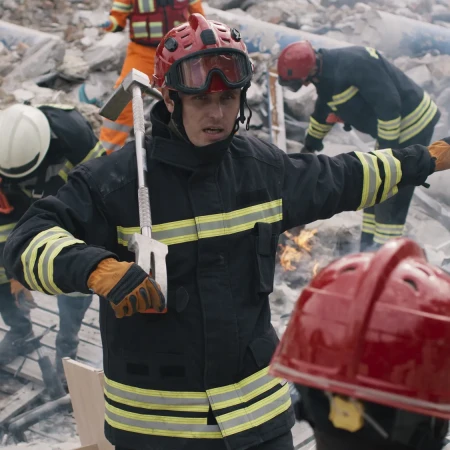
[374, 326]
[295, 64]
[202, 56]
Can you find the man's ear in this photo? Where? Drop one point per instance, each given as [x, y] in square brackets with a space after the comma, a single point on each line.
[170, 105]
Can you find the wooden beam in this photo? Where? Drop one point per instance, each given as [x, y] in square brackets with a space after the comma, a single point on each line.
[17, 402]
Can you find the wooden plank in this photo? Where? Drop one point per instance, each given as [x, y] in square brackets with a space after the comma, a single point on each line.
[86, 391]
[30, 370]
[86, 351]
[47, 319]
[50, 304]
[17, 402]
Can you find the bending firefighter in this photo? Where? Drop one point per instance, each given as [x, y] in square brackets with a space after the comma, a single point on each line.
[196, 377]
[367, 349]
[359, 87]
[39, 147]
[149, 21]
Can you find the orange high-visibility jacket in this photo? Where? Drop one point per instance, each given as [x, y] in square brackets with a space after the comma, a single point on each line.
[150, 20]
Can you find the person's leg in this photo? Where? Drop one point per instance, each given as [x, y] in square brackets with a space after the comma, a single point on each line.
[71, 313]
[20, 327]
[113, 135]
[387, 220]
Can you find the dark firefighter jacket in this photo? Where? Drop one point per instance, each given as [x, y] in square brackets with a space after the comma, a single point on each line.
[72, 141]
[369, 93]
[200, 372]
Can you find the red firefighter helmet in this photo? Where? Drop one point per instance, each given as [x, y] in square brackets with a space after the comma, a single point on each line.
[376, 327]
[295, 64]
[202, 56]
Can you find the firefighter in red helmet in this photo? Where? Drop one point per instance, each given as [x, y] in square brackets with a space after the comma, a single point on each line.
[196, 377]
[360, 88]
[367, 347]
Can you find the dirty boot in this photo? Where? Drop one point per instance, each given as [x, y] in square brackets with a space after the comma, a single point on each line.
[13, 345]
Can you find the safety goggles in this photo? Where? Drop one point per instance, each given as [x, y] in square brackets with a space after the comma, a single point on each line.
[193, 74]
[292, 85]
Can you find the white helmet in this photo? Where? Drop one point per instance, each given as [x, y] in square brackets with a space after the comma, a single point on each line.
[24, 140]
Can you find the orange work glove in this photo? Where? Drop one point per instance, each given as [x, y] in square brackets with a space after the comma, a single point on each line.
[441, 151]
[22, 296]
[127, 288]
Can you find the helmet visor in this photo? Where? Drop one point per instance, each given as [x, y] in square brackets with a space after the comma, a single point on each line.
[193, 74]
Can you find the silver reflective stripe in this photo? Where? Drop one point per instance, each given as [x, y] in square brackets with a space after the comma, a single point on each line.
[392, 172]
[368, 223]
[371, 179]
[255, 414]
[5, 230]
[420, 124]
[213, 225]
[188, 233]
[116, 126]
[236, 224]
[146, 6]
[156, 28]
[417, 113]
[243, 391]
[158, 400]
[122, 7]
[161, 425]
[343, 97]
[96, 152]
[29, 256]
[111, 147]
[45, 267]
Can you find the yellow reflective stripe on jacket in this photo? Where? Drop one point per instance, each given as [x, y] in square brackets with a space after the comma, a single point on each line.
[156, 29]
[415, 129]
[139, 29]
[5, 230]
[122, 7]
[238, 394]
[96, 152]
[415, 115]
[29, 257]
[255, 414]
[156, 399]
[368, 225]
[146, 6]
[371, 179]
[317, 129]
[386, 231]
[343, 97]
[243, 391]
[389, 129]
[392, 172]
[181, 427]
[3, 277]
[213, 225]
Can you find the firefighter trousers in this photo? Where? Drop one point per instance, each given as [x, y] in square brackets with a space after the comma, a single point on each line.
[71, 313]
[113, 135]
[387, 220]
[283, 442]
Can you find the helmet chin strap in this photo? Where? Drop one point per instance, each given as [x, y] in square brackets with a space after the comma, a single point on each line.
[177, 115]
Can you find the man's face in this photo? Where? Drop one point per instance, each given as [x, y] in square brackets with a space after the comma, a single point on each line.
[208, 118]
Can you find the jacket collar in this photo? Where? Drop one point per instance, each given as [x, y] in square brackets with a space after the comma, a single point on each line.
[168, 147]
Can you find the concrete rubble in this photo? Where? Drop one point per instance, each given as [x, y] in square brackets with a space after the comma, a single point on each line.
[53, 51]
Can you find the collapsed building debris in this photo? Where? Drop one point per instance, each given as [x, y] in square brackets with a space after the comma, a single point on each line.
[54, 52]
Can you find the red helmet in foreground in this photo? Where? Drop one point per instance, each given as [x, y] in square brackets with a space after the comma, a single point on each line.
[374, 326]
[295, 64]
[202, 56]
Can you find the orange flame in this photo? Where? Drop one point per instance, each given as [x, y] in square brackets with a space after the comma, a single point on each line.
[291, 255]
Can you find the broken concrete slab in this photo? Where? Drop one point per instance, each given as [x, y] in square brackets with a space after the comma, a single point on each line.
[108, 53]
[300, 104]
[421, 75]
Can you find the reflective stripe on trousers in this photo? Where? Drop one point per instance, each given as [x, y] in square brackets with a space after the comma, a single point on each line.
[272, 393]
